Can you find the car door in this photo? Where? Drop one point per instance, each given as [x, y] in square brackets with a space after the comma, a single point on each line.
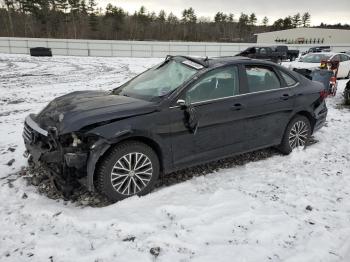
[269, 104]
[214, 100]
[341, 69]
[344, 66]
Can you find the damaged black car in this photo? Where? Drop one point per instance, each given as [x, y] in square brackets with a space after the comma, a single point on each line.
[183, 112]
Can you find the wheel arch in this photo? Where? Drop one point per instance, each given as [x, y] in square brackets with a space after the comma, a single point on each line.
[142, 139]
[149, 142]
[304, 113]
[309, 116]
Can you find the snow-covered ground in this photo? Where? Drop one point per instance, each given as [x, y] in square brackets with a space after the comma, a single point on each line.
[254, 212]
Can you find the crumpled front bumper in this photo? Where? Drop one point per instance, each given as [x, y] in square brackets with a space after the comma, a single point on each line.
[42, 146]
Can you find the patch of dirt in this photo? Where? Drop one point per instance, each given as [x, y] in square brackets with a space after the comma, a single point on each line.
[342, 106]
[40, 178]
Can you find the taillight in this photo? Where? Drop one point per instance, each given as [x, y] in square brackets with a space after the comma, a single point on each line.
[323, 94]
[333, 80]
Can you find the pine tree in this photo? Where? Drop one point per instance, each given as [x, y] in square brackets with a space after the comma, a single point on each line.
[93, 22]
[230, 17]
[243, 23]
[161, 16]
[288, 22]
[252, 19]
[189, 16]
[115, 16]
[10, 8]
[306, 19]
[265, 21]
[278, 24]
[172, 19]
[220, 17]
[296, 20]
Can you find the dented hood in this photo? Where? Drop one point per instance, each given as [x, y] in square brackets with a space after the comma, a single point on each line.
[77, 110]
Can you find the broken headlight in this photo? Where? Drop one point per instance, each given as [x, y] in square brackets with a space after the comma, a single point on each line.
[78, 140]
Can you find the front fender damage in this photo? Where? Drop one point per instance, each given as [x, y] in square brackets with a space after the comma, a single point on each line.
[99, 148]
[70, 159]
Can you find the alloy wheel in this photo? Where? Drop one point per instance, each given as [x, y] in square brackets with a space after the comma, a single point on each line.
[131, 173]
[298, 135]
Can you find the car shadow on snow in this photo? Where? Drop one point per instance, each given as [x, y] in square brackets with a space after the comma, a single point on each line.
[39, 177]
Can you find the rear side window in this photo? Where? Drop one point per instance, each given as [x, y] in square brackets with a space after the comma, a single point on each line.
[344, 58]
[263, 51]
[336, 58]
[290, 81]
[261, 79]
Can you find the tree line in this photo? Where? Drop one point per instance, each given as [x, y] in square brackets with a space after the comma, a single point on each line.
[82, 19]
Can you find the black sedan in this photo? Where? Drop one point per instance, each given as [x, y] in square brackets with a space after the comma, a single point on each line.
[180, 113]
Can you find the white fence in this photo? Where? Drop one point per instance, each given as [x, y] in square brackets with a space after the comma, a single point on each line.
[73, 47]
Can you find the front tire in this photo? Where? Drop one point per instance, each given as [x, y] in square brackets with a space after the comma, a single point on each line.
[130, 168]
[296, 135]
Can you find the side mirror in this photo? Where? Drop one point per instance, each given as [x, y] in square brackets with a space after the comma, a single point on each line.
[181, 103]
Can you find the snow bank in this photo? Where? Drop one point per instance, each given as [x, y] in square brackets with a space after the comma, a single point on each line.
[254, 212]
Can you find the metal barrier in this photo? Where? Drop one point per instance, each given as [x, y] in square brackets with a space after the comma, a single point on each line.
[74, 47]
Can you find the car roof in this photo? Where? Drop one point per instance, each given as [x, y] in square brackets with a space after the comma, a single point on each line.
[211, 62]
[226, 60]
[326, 53]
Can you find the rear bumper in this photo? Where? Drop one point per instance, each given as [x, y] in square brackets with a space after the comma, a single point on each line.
[321, 116]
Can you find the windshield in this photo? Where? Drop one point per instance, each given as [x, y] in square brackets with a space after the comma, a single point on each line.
[160, 80]
[315, 58]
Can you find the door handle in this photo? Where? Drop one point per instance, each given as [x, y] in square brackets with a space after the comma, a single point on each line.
[237, 107]
[285, 96]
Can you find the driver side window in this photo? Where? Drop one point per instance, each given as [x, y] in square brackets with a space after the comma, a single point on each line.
[218, 83]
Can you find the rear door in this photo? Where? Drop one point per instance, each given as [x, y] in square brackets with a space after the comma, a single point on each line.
[269, 103]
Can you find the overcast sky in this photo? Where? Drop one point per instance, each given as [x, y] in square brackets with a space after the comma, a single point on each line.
[327, 11]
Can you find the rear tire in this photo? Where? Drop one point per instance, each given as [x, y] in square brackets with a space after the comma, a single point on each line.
[297, 134]
[130, 168]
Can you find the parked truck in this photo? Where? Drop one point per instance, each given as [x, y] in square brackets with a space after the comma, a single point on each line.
[291, 54]
[264, 53]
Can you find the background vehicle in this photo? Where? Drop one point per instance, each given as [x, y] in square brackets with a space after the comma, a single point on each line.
[318, 49]
[40, 51]
[347, 93]
[313, 61]
[290, 54]
[165, 119]
[264, 53]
